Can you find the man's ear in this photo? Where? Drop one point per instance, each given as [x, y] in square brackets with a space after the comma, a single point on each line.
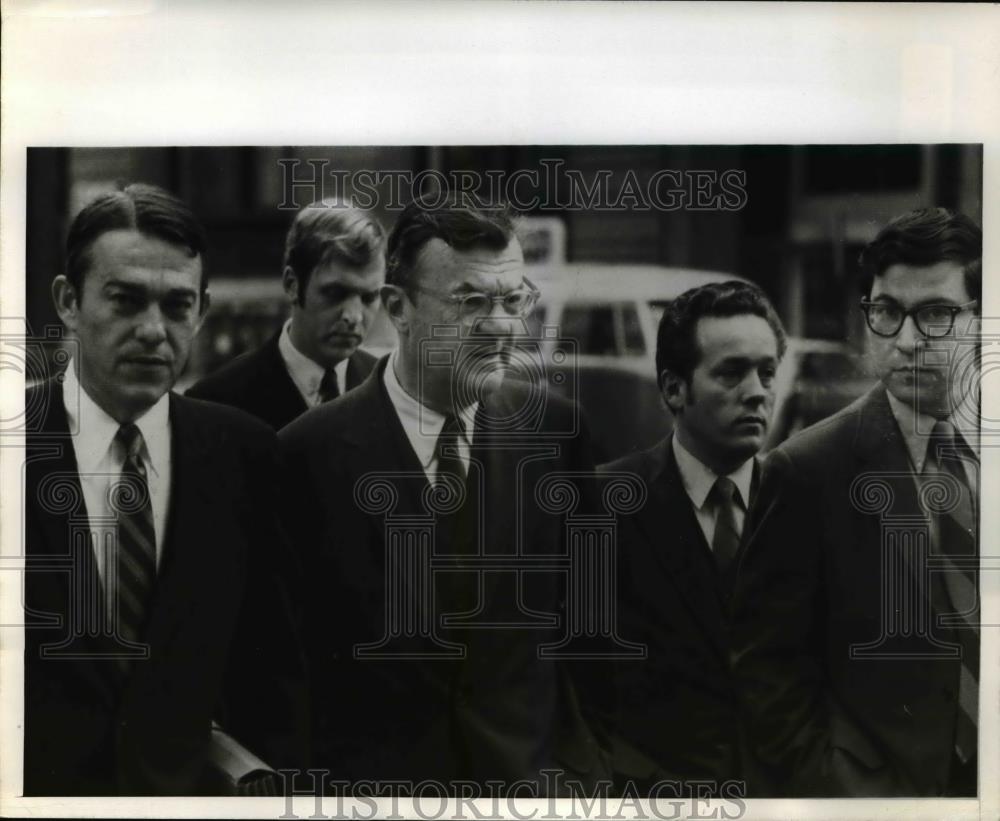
[395, 302]
[290, 282]
[674, 390]
[67, 301]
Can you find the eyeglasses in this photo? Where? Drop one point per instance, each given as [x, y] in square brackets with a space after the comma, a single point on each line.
[933, 321]
[475, 304]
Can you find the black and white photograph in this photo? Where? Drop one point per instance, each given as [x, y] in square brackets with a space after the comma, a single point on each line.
[396, 475]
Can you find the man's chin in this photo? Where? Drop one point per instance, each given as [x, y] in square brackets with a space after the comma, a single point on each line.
[923, 395]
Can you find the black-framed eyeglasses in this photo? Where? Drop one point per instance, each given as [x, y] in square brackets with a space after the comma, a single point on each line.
[475, 304]
[933, 321]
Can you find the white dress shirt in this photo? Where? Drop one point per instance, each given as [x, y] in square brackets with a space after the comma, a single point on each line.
[916, 429]
[99, 459]
[423, 425]
[698, 480]
[307, 374]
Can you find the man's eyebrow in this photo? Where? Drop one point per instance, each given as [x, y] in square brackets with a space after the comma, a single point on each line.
[931, 300]
[139, 288]
[125, 285]
[341, 288]
[744, 360]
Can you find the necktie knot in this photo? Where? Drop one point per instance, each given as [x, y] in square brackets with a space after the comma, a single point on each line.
[725, 490]
[451, 432]
[943, 431]
[448, 459]
[329, 388]
[131, 440]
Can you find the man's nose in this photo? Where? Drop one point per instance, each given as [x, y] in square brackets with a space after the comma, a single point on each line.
[151, 329]
[908, 338]
[498, 322]
[754, 390]
[352, 311]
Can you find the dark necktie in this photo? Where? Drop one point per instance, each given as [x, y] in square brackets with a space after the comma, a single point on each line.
[446, 450]
[957, 539]
[136, 557]
[328, 386]
[456, 531]
[726, 539]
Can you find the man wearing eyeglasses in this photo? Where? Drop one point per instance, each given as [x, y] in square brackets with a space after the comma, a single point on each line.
[856, 616]
[426, 665]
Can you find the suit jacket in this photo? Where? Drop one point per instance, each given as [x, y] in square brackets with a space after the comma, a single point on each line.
[677, 708]
[499, 712]
[219, 630]
[838, 704]
[259, 383]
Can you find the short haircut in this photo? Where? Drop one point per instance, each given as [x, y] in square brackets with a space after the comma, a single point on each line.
[924, 237]
[137, 207]
[460, 221]
[330, 231]
[676, 340]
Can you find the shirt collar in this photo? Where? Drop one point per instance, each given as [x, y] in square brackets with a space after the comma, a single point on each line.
[305, 373]
[699, 479]
[97, 429]
[916, 428]
[422, 424]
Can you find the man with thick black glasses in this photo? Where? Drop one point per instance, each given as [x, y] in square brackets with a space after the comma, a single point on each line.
[856, 614]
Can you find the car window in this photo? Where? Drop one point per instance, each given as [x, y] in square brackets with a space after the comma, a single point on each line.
[828, 365]
[592, 327]
[634, 342]
[535, 320]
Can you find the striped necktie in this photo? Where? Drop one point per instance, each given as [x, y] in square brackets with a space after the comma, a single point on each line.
[136, 558]
[957, 539]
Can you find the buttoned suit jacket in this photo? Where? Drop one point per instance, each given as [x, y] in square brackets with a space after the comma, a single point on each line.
[842, 697]
[499, 713]
[677, 709]
[221, 644]
[258, 382]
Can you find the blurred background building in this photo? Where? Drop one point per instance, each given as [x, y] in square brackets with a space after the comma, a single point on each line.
[797, 232]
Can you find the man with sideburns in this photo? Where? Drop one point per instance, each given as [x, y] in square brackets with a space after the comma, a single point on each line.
[718, 348]
[436, 457]
[160, 655]
[856, 629]
[333, 267]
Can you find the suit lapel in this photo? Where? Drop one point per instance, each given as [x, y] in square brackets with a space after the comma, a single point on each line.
[678, 545]
[881, 450]
[54, 493]
[192, 557]
[285, 401]
[381, 446]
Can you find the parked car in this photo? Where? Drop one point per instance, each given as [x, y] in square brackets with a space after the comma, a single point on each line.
[593, 333]
[816, 379]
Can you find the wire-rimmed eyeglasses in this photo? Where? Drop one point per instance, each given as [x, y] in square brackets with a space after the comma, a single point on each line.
[476, 304]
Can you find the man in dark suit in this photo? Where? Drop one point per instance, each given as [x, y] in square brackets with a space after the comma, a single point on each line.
[856, 616]
[333, 269]
[718, 347]
[160, 657]
[418, 503]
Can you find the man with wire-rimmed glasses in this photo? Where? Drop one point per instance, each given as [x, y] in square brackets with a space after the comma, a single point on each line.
[856, 617]
[426, 664]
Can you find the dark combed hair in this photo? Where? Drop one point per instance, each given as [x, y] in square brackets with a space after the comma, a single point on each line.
[325, 232]
[459, 220]
[676, 343]
[924, 237]
[137, 207]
